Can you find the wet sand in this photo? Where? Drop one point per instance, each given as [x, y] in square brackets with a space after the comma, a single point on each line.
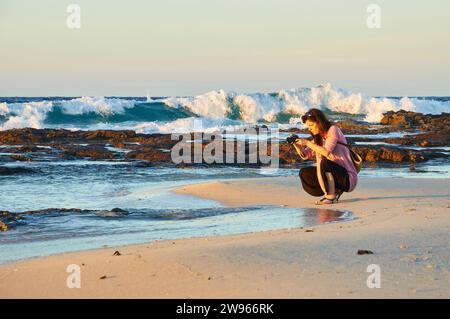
[404, 222]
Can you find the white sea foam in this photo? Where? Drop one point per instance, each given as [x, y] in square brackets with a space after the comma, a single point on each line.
[184, 125]
[4, 110]
[217, 107]
[33, 114]
[212, 104]
[99, 105]
[21, 115]
[190, 124]
[264, 106]
[258, 106]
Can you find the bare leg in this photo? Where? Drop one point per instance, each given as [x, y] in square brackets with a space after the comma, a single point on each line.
[330, 196]
[331, 188]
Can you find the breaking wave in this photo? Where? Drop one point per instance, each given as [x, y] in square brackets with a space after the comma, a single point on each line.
[217, 109]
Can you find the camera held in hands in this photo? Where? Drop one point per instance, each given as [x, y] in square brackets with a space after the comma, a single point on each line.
[292, 138]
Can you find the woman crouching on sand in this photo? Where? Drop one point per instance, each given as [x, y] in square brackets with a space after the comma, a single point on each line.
[335, 172]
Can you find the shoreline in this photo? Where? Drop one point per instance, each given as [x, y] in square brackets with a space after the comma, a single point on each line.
[405, 222]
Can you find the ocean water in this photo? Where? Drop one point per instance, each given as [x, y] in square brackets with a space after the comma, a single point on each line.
[218, 110]
[151, 210]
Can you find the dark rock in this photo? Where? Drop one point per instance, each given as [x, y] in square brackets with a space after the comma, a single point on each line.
[31, 135]
[3, 226]
[94, 152]
[119, 144]
[8, 220]
[364, 252]
[19, 136]
[155, 140]
[154, 149]
[15, 170]
[30, 149]
[295, 130]
[287, 154]
[21, 158]
[149, 154]
[428, 139]
[427, 122]
[109, 135]
[354, 127]
[108, 213]
[118, 210]
[389, 154]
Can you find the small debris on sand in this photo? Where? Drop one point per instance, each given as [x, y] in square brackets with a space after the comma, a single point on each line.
[364, 252]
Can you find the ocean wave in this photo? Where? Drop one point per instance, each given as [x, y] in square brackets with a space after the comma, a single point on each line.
[216, 108]
[182, 125]
[18, 115]
[85, 113]
[294, 102]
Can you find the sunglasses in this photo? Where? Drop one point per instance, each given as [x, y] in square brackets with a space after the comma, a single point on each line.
[308, 116]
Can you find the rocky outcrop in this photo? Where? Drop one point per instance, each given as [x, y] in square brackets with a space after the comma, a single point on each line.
[44, 136]
[150, 154]
[93, 152]
[31, 135]
[21, 158]
[355, 128]
[390, 154]
[156, 148]
[429, 139]
[426, 122]
[351, 127]
[5, 170]
[371, 154]
[288, 155]
[109, 135]
[3, 226]
[9, 220]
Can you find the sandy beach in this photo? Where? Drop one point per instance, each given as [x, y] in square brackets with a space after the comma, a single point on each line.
[138, 148]
[404, 222]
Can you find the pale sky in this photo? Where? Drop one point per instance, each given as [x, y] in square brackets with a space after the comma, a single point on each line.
[189, 47]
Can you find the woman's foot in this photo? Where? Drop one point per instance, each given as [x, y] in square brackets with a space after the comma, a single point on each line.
[326, 201]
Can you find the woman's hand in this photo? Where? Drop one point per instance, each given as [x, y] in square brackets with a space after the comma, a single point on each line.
[301, 142]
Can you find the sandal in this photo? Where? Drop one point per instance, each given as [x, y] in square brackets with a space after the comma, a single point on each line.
[338, 194]
[326, 201]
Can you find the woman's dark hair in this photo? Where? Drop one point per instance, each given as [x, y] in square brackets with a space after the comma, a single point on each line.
[317, 116]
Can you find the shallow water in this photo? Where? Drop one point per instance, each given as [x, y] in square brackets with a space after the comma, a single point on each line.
[65, 232]
[153, 212]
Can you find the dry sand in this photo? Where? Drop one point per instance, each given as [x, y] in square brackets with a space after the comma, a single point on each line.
[405, 222]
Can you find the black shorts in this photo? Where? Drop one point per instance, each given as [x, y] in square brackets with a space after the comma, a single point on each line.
[310, 181]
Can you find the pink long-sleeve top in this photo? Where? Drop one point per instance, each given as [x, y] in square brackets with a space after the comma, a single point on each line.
[338, 153]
